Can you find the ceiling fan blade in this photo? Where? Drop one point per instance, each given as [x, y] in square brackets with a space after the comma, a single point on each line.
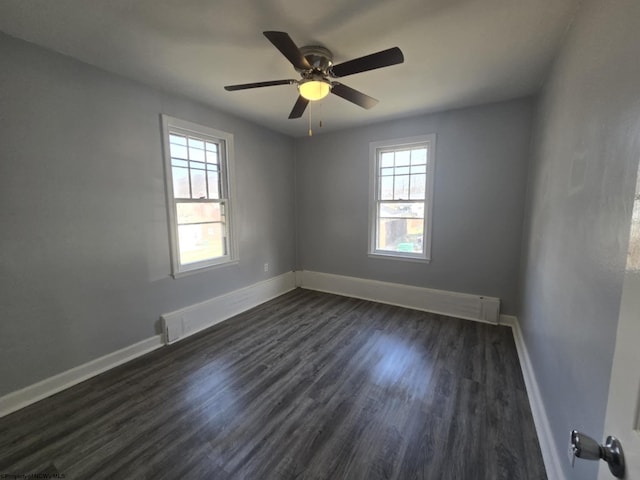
[385, 58]
[271, 83]
[353, 96]
[282, 41]
[299, 107]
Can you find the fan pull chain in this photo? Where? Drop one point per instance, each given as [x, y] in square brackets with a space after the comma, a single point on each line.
[310, 121]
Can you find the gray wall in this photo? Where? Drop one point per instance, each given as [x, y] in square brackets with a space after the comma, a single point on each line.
[84, 255]
[577, 223]
[480, 182]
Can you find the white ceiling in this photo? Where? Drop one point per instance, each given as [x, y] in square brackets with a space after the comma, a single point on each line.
[457, 52]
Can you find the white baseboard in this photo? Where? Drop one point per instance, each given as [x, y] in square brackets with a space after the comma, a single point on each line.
[52, 385]
[198, 317]
[194, 318]
[540, 418]
[460, 305]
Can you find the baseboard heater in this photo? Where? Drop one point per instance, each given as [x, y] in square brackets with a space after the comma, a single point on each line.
[461, 305]
[194, 318]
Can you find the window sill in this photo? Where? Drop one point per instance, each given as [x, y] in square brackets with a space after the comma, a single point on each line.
[402, 258]
[186, 273]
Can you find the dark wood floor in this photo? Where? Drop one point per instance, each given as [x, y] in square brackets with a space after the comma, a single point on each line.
[307, 386]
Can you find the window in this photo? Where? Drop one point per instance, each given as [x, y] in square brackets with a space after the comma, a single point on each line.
[198, 173]
[401, 198]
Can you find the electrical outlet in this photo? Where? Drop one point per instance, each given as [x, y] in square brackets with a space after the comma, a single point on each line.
[266, 267]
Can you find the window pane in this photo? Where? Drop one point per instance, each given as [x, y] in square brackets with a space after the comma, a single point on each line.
[419, 156]
[401, 188]
[386, 188]
[214, 185]
[418, 184]
[198, 184]
[177, 139]
[401, 210]
[195, 143]
[196, 154]
[402, 171]
[212, 157]
[179, 163]
[419, 169]
[178, 151]
[386, 159]
[198, 212]
[212, 147]
[201, 242]
[386, 171]
[402, 158]
[180, 182]
[404, 235]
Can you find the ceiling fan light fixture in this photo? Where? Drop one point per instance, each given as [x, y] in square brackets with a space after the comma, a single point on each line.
[314, 90]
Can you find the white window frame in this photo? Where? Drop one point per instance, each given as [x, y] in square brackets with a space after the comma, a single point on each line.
[226, 150]
[375, 148]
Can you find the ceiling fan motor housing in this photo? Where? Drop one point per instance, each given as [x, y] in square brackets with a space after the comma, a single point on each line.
[320, 59]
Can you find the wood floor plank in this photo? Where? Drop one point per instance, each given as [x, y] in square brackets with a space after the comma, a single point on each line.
[306, 386]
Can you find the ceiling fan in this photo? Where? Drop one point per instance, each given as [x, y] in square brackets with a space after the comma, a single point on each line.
[315, 66]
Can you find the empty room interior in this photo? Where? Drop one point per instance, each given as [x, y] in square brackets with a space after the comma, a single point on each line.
[344, 240]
